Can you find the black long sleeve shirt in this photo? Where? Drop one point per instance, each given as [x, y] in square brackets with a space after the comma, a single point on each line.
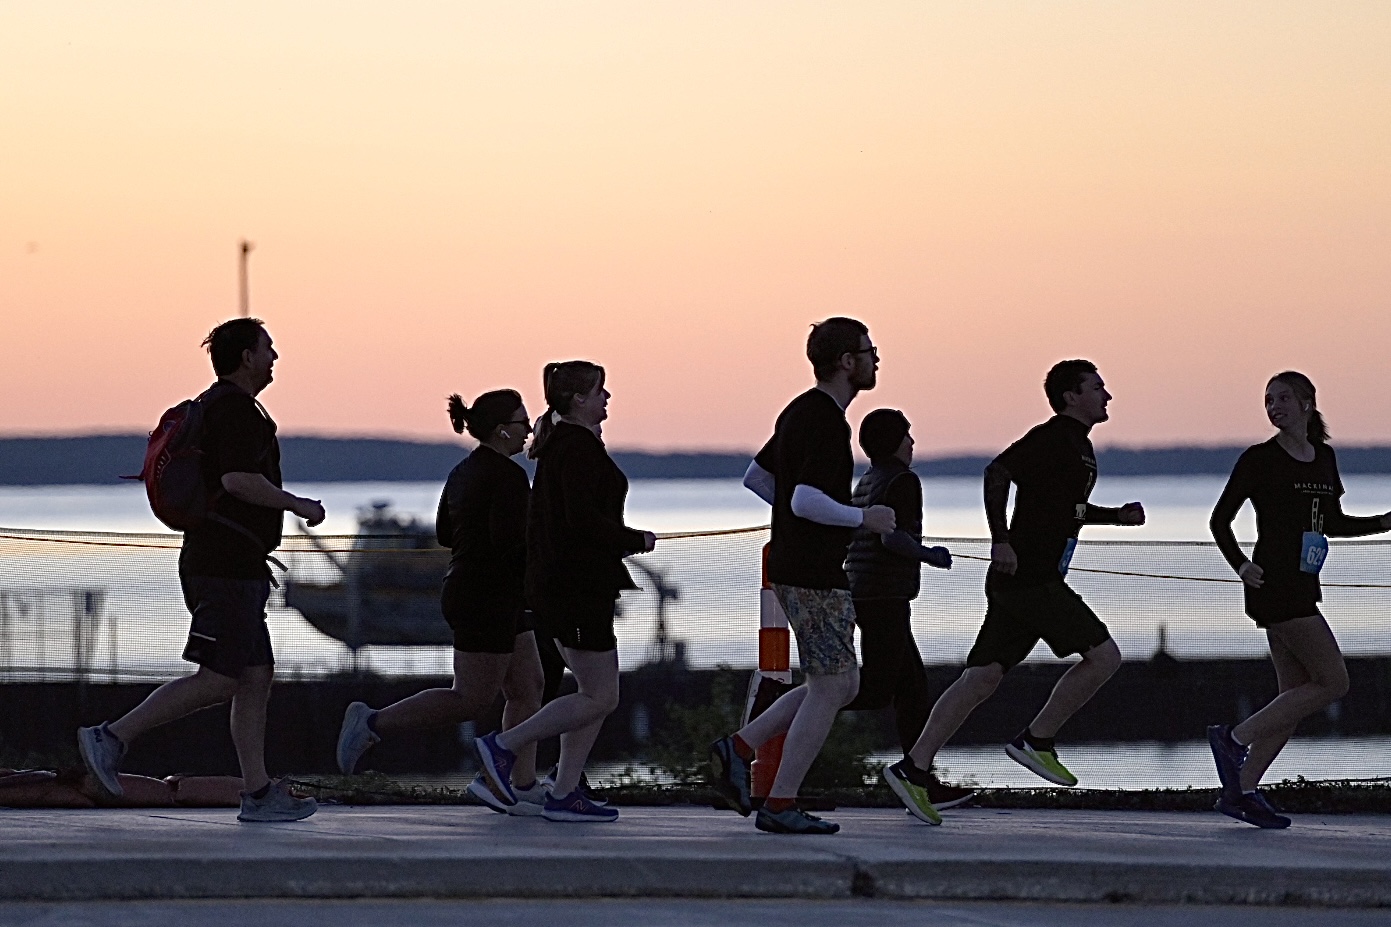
[1290, 497]
[1054, 468]
[482, 519]
[576, 538]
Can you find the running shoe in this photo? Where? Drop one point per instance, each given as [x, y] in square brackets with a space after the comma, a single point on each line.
[276, 805]
[793, 821]
[910, 784]
[481, 790]
[531, 803]
[944, 795]
[101, 752]
[355, 738]
[1229, 756]
[1252, 808]
[1042, 763]
[576, 808]
[547, 782]
[731, 775]
[496, 762]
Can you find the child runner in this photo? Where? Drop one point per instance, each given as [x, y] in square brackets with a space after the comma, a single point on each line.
[482, 518]
[885, 577]
[804, 472]
[1054, 468]
[1293, 484]
[576, 542]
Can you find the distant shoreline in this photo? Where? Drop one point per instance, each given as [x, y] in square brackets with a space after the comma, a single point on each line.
[96, 460]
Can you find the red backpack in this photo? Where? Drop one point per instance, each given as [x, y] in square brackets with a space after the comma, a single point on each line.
[173, 471]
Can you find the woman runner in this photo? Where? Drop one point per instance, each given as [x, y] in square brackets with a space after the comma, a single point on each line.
[576, 542]
[1293, 484]
[482, 518]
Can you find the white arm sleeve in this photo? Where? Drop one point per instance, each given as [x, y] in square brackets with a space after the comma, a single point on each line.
[759, 482]
[814, 505]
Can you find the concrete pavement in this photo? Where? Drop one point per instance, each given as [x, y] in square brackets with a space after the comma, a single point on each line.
[468, 852]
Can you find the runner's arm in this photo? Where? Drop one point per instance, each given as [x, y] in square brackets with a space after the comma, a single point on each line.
[1228, 504]
[997, 480]
[814, 505]
[760, 482]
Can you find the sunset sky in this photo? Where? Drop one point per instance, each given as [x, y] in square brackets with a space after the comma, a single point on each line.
[444, 196]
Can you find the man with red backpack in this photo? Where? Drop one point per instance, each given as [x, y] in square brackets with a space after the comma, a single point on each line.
[229, 532]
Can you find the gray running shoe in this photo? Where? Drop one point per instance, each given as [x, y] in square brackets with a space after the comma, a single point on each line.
[278, 805]
[731, 775]
[355, 738]
[102, 751]
[792, 821]
[532, 802]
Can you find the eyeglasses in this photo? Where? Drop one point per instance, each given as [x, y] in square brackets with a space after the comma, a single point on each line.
[872, 351]
[520, 421]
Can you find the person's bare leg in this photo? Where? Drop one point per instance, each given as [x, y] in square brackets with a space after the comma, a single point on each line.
[1076, 687]
[522, 687]
[1290, 673]
[174, 700]
[1310, 640]
[775, 720]
[596, 676]
[973, 686]
[249, 724]
[477, 679]
[825, 697]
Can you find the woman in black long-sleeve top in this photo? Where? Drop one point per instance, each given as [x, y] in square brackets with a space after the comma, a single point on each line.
[576, 542]
[482, 519]
[1293, 484]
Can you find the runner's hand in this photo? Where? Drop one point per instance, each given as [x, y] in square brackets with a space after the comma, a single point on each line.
[311, 510]
[940, 558]
[1002, 558]
[1251, 574]
[649, 542]
[879, 519]
[1132, 513]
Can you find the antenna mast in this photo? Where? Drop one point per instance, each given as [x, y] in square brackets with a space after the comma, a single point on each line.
[243, 279]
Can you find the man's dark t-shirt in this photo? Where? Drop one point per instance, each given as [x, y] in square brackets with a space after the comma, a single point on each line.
[238, 437]
[810, 446]
[1054, 468]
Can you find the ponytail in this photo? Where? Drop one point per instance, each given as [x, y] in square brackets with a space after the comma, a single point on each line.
[562, 382]
[1303, 389]
[488, 411]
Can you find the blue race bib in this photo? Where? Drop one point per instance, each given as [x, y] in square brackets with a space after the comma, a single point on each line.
[1313, 551]
[1066, 561]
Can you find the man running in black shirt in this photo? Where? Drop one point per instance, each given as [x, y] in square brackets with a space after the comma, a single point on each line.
[1054, 468]
[225, 580]
[804, 472]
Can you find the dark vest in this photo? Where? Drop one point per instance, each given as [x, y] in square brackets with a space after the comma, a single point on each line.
[874, 572]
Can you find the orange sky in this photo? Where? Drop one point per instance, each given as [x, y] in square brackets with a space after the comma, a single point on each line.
[445, 196]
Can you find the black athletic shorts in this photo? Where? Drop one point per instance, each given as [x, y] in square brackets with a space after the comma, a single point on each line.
[483, 625]
[1273, 603]
[228, 632]
[580, 622]
[1017, 619]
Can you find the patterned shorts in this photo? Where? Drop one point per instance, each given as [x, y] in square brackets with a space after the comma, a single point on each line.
[824, 622]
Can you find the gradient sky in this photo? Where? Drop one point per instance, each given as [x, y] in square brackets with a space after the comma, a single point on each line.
[444, 196]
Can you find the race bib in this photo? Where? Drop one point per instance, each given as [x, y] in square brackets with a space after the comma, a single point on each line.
[1313, 552]
[1066, 561]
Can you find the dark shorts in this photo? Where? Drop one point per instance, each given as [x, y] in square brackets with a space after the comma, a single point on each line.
[578, 622]
[1272, 604]
[1017, 619]
[483, 625]
[228, 632]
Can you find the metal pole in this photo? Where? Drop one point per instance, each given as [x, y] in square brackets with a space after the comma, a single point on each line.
[243, 279]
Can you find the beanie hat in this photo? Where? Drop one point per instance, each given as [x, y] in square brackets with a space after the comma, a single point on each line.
[882, 432]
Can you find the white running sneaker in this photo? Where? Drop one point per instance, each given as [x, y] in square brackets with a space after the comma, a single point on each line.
[355, 738]
[530, 802]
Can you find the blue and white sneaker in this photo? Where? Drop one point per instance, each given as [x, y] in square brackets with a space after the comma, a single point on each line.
[480, 790]
[355, 738]
[1252, 808]
[102, 751]
[1229, 756]
[576, 808]
[496, 762]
